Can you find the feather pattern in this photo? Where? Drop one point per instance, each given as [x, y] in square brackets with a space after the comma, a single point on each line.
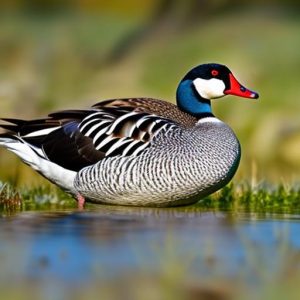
[75, 139]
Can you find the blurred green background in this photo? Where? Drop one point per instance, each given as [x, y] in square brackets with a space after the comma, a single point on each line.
[71, 54]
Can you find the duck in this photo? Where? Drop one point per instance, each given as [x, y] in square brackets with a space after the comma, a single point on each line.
[137, 151]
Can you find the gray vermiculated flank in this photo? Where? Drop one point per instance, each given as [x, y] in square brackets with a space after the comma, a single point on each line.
[180, 166]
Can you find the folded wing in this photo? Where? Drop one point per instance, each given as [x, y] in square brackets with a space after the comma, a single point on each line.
[75, 139]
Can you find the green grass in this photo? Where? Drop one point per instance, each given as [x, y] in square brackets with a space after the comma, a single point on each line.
[263, 198]
[13, 200]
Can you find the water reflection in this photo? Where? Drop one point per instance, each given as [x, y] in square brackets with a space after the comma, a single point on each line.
[74, 246]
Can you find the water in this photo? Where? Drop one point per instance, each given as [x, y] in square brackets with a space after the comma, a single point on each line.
[104, 242]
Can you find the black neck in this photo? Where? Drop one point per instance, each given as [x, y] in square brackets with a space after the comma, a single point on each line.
[204, 115]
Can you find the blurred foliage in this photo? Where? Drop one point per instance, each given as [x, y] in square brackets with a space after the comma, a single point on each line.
[49, 6]
[70, 54]
[131, 6]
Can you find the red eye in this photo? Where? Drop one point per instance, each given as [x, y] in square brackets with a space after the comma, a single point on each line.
[214, 72]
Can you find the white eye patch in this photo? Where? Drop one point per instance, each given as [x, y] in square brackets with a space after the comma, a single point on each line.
[209, 88]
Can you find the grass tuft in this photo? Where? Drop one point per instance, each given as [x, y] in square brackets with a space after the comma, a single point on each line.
[261, 198]
[14, 200]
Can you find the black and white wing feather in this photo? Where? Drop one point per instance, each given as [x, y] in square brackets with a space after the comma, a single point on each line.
[78, 138]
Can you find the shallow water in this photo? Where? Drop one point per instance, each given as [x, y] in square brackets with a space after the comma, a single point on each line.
[105, 252]
[104, 242]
